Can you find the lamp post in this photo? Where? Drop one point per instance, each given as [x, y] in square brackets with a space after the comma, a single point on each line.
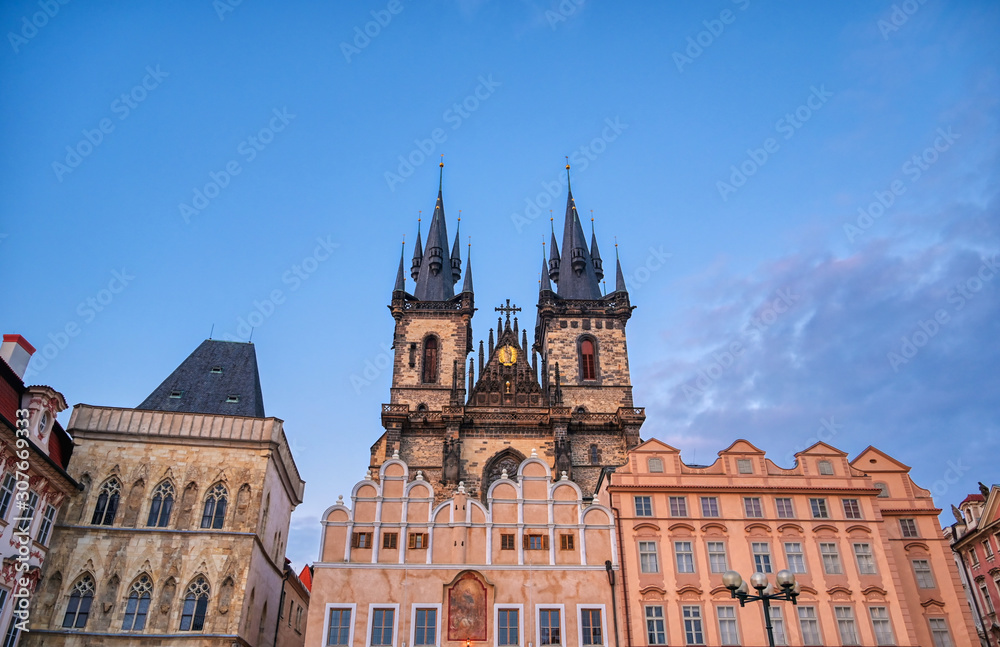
[789, 590]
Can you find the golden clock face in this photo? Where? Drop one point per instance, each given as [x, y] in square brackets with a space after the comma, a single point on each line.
[507, 355]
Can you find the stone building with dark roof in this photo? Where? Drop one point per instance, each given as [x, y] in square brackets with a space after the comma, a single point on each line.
[179, 534]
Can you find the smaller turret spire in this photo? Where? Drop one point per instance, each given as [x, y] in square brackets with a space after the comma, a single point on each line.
[456, 252]
[418, 251]
[553, 271]
[467, 285]
[619, 276]
[595, 254]
[400, 276]
[543, 278]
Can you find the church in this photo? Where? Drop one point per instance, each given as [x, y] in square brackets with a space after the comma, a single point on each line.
[478, 521]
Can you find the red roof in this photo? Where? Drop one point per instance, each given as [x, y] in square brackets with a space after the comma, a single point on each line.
[307, 578]
[972, 497]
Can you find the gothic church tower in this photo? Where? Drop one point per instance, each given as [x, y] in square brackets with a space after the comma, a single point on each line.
[566, 397]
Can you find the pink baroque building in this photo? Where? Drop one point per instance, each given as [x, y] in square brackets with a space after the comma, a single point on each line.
[532, 565]
[976, 542]
[861, 538]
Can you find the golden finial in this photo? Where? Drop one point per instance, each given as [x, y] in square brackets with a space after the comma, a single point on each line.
[460, 215]
[441, 165]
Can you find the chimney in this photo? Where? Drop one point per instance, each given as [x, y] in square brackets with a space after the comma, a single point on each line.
[16, 351]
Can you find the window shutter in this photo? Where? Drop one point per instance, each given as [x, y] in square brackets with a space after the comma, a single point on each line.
[413, 540]
[545, 542]
[426, 539]
[525, 542]
[354, 540]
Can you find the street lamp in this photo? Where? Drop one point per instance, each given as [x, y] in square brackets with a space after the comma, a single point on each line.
[765, 592]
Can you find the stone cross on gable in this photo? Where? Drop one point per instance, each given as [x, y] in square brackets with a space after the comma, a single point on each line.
[508, 309]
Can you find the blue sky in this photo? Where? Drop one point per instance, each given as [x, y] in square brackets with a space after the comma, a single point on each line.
[804, 196]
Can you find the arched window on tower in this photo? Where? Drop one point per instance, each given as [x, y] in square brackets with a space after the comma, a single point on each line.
[595, 455]
[162, 504]
[107, 503]
[215, 507]
[588, 360]
[430, 360]
[195, 606]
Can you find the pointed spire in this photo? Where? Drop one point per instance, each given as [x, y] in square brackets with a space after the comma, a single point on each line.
[418, 252]
[543, 280]
[553, 272]
[619, 276]
[400, 276]
[456, 252]
[595, 254]
[524, 340]
[578, 279]
[467, 284]
[491, 342]
[435, 280]
[482, 360]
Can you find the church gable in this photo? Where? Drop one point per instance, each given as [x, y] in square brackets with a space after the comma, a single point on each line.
[507, 379]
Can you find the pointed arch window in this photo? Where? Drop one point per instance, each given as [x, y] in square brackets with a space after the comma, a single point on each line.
[588, 360]
[195, 606]
[161, 506]
[137, 604]
[80, 599]
[215, 507]
[107, 503]
[429, 368]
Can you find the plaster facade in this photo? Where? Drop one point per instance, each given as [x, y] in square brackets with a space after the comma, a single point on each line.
[401, 567]
[836, 523]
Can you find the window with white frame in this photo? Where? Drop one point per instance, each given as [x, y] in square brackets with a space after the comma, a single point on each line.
[656, 465]
[685, 556]
[648, 562]
[508, 626]
[809, 625]
[752, 507]
[987, 549]
[656, 628]
[761, 556]
[717, 561]
[865, 559]
[643, 506]
[852, 509]
[591, 627]
[784, 507]
[819, 509]
[338, 623]
[383, 626]
[831, 558]
[939, 632]
[882, 626]
[425, 626]
[973, 557]
[987, 600]
[778, 625]
[922, 571]
[846, 626]
[744, 466]
[6, 492]
[694, 633]
[728, 632]
[826, 468]
[794, 557]
[27, 513]
[678, 506]
[709, 506]
[550, 627]
[44, 528]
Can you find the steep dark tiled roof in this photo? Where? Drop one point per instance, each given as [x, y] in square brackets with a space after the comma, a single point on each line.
[204, 389]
